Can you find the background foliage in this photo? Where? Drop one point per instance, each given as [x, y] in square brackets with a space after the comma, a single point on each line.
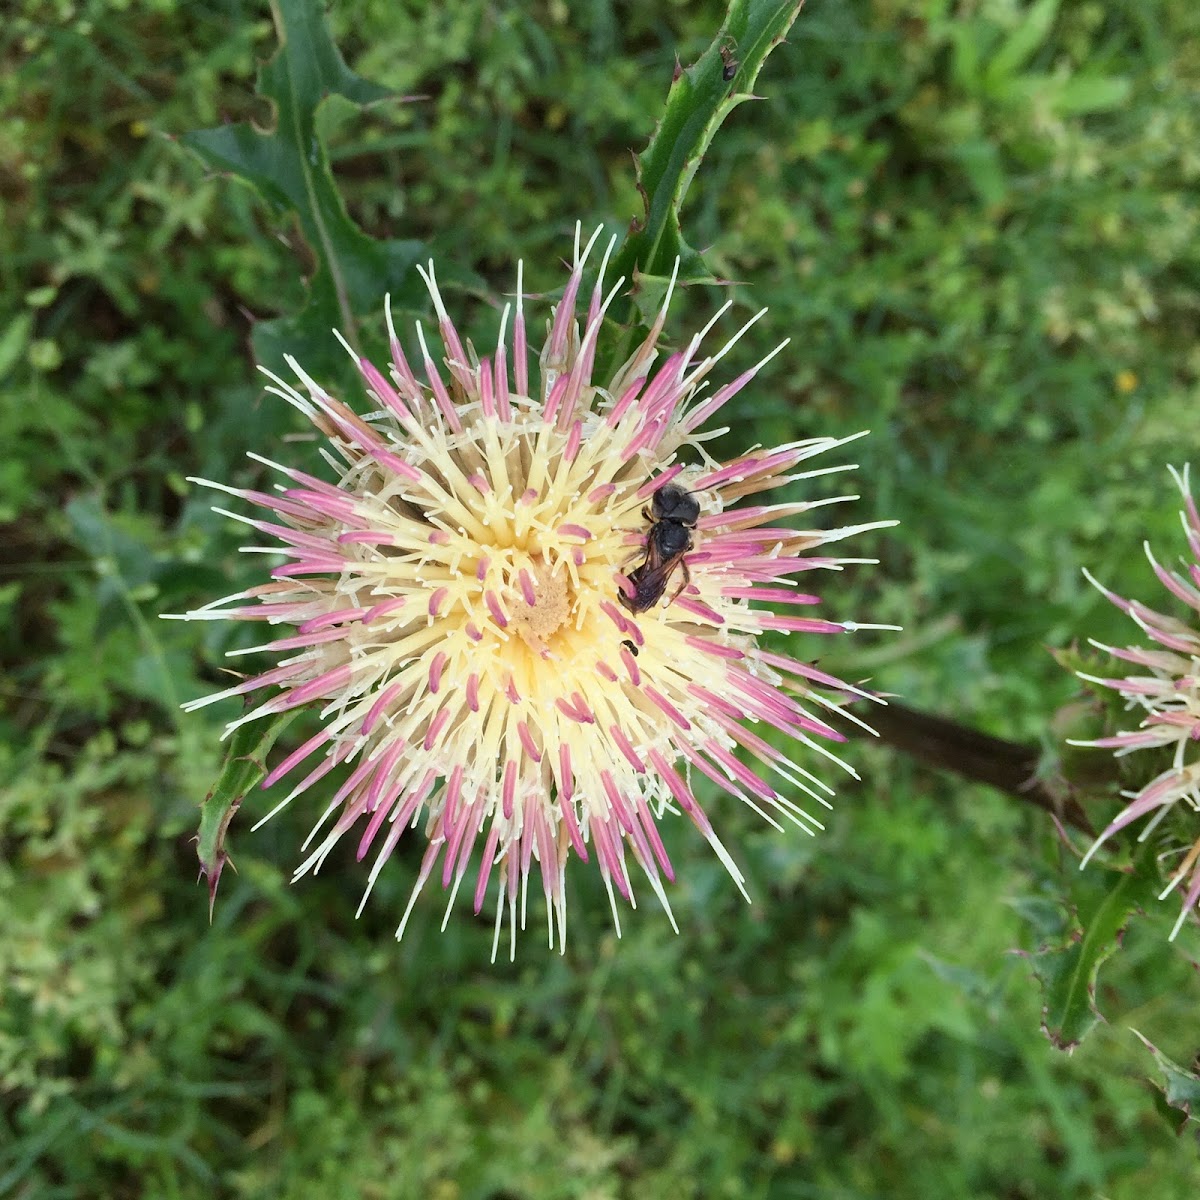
[978, 223]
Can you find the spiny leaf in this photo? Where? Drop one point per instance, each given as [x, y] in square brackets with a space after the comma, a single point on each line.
[1180, 1085]
[1102, 902]
[289, 167]
[701, 97]
[244, 766]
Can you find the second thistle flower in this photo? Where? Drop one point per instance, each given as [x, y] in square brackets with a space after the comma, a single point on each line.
[1166, 693]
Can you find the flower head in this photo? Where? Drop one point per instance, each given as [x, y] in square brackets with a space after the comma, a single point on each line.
[478, 611]
[1167, 694]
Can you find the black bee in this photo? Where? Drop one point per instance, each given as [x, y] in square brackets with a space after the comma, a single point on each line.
[672, 514]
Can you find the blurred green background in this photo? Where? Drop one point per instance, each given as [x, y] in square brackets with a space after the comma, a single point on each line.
[977, 222]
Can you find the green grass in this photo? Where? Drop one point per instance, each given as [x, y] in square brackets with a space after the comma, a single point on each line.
[981, 237]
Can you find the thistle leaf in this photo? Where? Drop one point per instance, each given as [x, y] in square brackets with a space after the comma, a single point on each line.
[1180, 1086]
[244, 766]
[288, 166]
[700, 99]
[1102, 902]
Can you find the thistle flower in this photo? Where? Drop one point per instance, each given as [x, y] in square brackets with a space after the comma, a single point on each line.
[1168, 697]
[465, 616]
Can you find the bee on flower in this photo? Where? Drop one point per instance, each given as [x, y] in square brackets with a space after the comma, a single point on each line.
[1166, 693]
[530, 609]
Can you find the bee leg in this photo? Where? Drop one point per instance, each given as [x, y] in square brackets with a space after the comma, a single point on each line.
[687, 578]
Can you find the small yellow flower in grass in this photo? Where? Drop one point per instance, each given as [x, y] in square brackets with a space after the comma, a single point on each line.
[478, 614]
[1167, 694]
[1126, 382]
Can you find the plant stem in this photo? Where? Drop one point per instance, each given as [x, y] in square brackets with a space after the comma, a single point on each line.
[1009, 767]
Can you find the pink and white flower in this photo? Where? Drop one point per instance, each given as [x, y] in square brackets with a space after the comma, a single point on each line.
[1167, 695]
[455, 597]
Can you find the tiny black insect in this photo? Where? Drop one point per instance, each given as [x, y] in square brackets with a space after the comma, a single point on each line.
[672, 514]
[630, 647]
